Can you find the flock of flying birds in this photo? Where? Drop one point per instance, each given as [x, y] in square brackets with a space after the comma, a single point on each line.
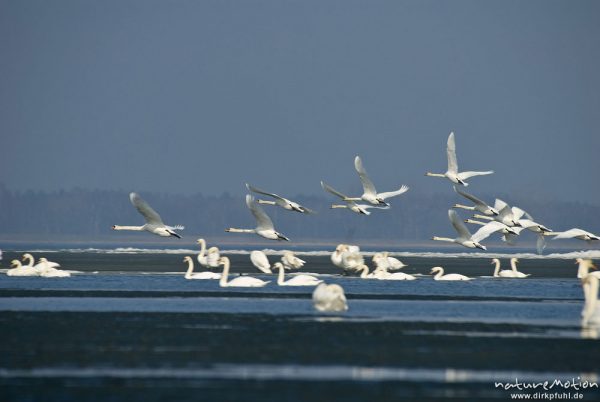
[502, 218]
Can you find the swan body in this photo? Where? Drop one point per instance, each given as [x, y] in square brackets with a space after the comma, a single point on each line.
[439, 275]
[298, 280]
[590, 315]
[370, 194]
[210, 258]
[584, 268]
[385, 262]
[452, 173]
[39, 267]
[479, 206]
[49, 270]
[513, 266]
[260, 260]
[505, 273]
[154, 223]
[280, 201]
[464, 238]
[20, 270]
[190, 274]
[347, 257]
[362, 209]
[240, 281]
[576, 233]
[264, 226]
[290, 261]
[329, 298]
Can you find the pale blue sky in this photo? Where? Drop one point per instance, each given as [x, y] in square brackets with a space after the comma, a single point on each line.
[188, 96]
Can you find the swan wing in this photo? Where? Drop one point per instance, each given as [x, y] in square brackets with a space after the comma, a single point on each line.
[518, 213]
[486, 230]
[368, 186]
[451, 152]
[568, 234]
[458, 224]
[256, 190]
[466, 175]
[150, 215]
[260, 261]
[333, 191]
[540, 244]
[471, 197]
[499, 204]
[263, 222]
[390, 194]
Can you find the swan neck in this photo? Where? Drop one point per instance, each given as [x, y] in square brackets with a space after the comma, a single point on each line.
[225, 274]
[190, 269]
[497, 268]
[30, 260]
[202, 248]
[513, 265]
[365, 271]
[435, 174]
[281, 276]
[443, 239]
[236, 230]
[266, 202]
[464, 207]
[590, 293]
[339, 206]
[117, 227]
[582, 271]
[439, 274]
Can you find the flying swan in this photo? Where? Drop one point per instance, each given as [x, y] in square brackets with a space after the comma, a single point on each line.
[479, 206]
[154, 223]
[264, 226]
[452, 173]
[370, 194]
[464, 236]
[351, 205]
[280, 201]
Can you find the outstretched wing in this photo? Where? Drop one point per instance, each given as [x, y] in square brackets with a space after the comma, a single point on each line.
[499, 204]
[466, 175]
[263, 222]
[256, 190]
[471, 197]
[150, 215]
[331, 190]
[390, 194]
[451, 152]
[368, 186]
[458, 224]
[486, 230]
[569, 234]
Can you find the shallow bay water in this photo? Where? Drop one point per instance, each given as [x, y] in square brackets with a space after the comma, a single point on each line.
[130, 327]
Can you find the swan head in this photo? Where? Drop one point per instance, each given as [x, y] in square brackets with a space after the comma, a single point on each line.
[435, 270]
[494, 211]
[587, 262]
[187, 258]
[495, 261]
[480, 246]
[514, 259]
[278, 265]
[114, 227]
[15, 263]
[43, 259]
[200, 241]
[26, 256]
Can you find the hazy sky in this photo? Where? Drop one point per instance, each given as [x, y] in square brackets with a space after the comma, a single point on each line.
[188, 96]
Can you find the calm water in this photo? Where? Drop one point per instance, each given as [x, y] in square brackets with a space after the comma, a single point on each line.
[130, 327]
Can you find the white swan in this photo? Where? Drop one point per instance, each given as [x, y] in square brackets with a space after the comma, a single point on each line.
[347, 257]
[479, 206]
[584, 268]
[505, 273]
[590, 315]
[381, 271]
[280, 201]
[259, 260]
[513, 266]
[384, 261]
[329, 298]
[452, 173]
[154, 223]
[290, 261]
[49, 269]
[297, 280]
[439, 275]
[20, 270]
[370, 194]
[361, 209]
[491, 227]
[210, 258]
[189, 274]
[264, 226]
[240, 281]
[464, 238]
[38, 267]
[576, 233]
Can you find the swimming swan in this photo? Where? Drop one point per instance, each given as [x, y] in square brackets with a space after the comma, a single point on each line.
[240, 281]
[154, 223]
[452, 173]
[49, 270]
[464, 238]
[329, 298]
[439, 275]
[505, 273]
[290, 261]
[210, 258]
[189, 274]
[264, 226]
[280, 201]
[298, 280]
[370, 194]
[513, 266]
[259, 260]
[20, 270]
